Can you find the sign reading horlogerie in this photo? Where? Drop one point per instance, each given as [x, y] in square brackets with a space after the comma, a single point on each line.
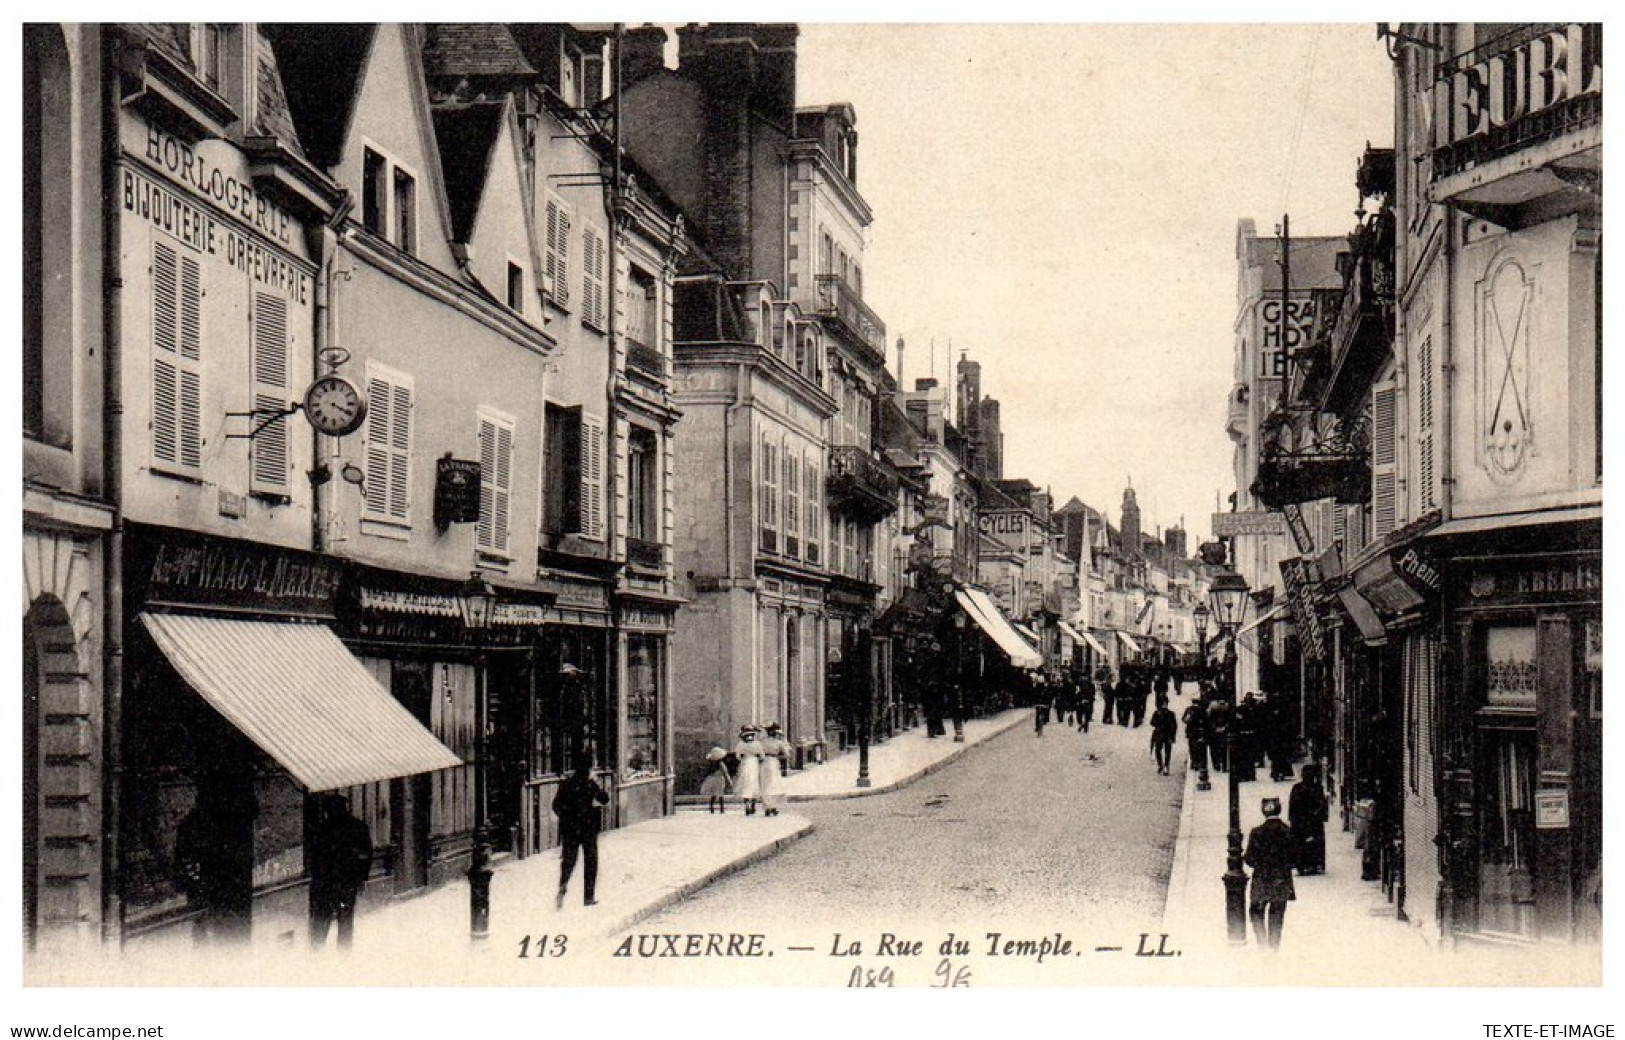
[1255, 522]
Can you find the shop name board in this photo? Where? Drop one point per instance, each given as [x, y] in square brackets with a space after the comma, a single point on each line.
[1419, 571]
[1517, 84]
[238, 575]
[187, 165]
[1273, 332]
[1254, 522]
[1299, 528]
[1296, 574]
[582, 597]
[456, 491]
[199, 229]
[1003, 522]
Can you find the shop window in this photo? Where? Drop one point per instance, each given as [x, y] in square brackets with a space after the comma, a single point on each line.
[642, 707]
[269, 451]
[387, 493]
[1506, 896]
[177, 375]
[569, 714]
[496, 483]
[1510, 677]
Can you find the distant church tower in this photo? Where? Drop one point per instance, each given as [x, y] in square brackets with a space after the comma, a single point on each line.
[1131, 523]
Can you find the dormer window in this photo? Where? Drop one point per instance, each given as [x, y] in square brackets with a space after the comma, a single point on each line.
[209, 45]
[389, 200]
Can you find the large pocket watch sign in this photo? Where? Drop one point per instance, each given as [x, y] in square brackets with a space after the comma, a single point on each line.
[456, 491]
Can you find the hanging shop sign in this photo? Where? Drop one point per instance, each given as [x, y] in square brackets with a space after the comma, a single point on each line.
[182, 568]
[1299, 528]
[1300, 591]
[1276, 330]
[1496, 96]
[1416, 566]
[456, 491]
[1254, 522]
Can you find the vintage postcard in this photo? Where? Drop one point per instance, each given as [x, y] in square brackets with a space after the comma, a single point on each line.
[791, 504]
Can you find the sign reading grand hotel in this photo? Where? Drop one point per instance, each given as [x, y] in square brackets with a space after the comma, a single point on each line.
[1517, 83]
[1274, 332]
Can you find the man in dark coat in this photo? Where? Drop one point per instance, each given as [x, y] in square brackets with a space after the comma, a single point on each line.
[340, 857]
[1086, 702]
[1108, 700]
[576, 806]
[1195, 720]
[1164, 727]
[1142, 694]
[1270, 852]
[1306, 814]
[1244, 721]
[1127, 694]
[1218, 731]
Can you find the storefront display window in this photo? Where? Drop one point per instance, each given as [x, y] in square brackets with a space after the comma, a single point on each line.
[642, 707]
[1510, 653]
[1506, 897]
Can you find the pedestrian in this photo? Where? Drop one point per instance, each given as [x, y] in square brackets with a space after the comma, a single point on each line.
[1270, 853]
[1126, 695]
[1306, 812]
[1160, 687]
[1164, 727]
[1218, 732]
[1086, 702]
[1142, 693]
[213, 864]
[576, 806]
[1040, 712]
[1195, 720]
[1108, 700]
[748, 752]
[1066, 697]
[1283, 737]
[1244, 721]
[775, 752]
[718, 782]
[340, 858]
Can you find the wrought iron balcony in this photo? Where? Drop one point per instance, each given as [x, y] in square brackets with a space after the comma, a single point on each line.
[1364, 331]
[838, 301]
[1337, 466]
[859, 486]
[645, 359]
[1311, 364]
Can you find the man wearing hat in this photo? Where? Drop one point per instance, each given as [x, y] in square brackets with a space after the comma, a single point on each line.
[1270, 852]
[749, 753]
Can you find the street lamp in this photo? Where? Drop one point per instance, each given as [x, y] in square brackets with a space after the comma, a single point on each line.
[1229, 598]
[477, 601]
[959, 668]
[1199, 617]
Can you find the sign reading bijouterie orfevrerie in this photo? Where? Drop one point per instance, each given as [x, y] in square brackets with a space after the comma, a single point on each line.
[1254, 522]
[183, 568]
[1300, 592]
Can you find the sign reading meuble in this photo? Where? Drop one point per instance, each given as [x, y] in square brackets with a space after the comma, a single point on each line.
[1517, 83]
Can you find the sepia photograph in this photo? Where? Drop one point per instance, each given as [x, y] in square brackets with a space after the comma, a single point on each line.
[1107, 509]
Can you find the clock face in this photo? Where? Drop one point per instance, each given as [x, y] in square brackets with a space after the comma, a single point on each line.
[334, 406]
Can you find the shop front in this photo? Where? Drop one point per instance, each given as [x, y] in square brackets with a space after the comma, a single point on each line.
[1523, 729]
[643, 629]
[240, 704]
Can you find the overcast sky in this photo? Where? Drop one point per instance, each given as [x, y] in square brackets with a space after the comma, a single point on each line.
[1061, 202]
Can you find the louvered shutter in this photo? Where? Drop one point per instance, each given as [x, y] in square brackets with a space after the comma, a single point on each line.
[814, 497]
[592, 277]
[1384, 476]
[177, 341]
[769, 496]
[558, 252]
[1426, 492]
[270, 449]
[791, 488]
[592, 478]
[496, 467]
[400, 452]
[376, 490]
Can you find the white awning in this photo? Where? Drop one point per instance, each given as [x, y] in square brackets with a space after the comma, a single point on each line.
[1133, 647]
[297, 692]
[1481, 524]
[1100, 648]
[991, 620]
[1260, 619]
[1026, 632]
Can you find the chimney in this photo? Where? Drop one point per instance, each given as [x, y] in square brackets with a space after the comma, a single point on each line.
[643, 53]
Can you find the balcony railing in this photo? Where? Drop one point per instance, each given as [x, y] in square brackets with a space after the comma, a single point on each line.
[837, 300]
[647, 555]
[859, 485]
[645, 359]
[1364, 332]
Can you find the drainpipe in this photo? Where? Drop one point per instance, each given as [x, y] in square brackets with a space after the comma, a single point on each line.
[615, 201]
[1445, 434]
[322, 243]
[112, 923]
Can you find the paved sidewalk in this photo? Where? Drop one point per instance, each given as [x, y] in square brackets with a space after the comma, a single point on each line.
[644, 868]
[901, 760]
[1339, 931]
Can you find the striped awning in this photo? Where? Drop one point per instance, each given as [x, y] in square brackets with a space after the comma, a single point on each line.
[301, 696]
[990, 619]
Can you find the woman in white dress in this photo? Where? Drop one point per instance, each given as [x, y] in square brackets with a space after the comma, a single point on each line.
[749, 753]
[774, 750]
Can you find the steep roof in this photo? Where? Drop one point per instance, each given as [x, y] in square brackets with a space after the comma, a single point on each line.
[467, 136]
[321, 71]
[473, 49]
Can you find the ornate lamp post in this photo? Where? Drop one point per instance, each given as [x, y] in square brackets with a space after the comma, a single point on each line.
[1229, 597]
[477, 601]
[1199, 617]
[958, 669]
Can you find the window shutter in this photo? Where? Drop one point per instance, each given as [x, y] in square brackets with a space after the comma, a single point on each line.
[177, 376]
[496, 468]
[1426, 491]
[376, 492]
[387, 494]
[270, 447]
[1383, 451]
[558, 252]
[791, 489]
[813, 497]
[593, 259]
[770, 497]
[592, 478]
[400, 448]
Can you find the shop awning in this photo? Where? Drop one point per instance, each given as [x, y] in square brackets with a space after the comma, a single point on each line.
[1128, 641]
[1260, 619]
[1026, 632]
[1364, 617]
[1100, 648]
[1081, 638]
[991, 620]
[298, 693]
[1481, 524]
